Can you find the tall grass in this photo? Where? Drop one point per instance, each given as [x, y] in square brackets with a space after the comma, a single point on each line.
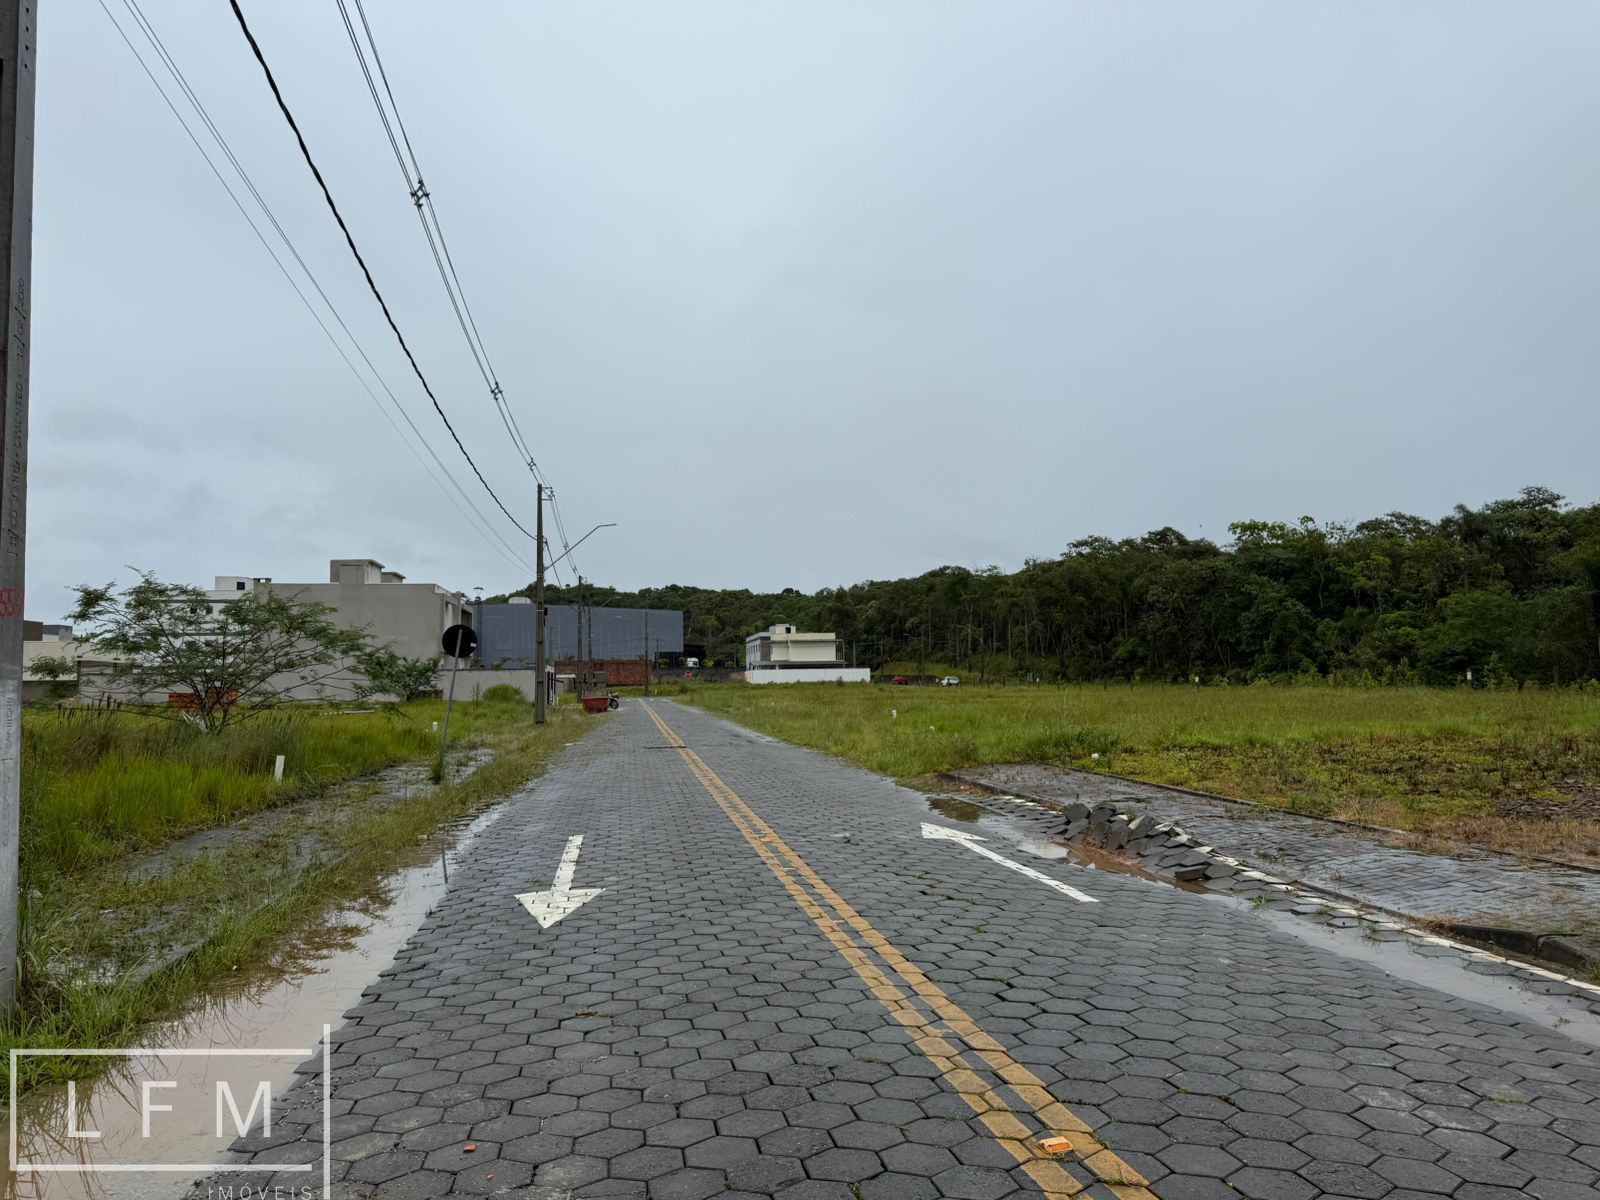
[237, 900]
[1411, 757]
[97, 784]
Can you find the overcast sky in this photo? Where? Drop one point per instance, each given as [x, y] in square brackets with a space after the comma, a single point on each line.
[807, 293]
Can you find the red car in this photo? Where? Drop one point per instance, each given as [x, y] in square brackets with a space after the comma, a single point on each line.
[903, 680]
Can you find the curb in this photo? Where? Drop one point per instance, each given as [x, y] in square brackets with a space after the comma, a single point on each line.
[1165, 850]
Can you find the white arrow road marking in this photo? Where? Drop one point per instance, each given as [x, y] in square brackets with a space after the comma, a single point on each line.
[971, 840]
[561, 899]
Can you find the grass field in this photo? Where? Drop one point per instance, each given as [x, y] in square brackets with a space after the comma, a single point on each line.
[1517, 770]
[98, 784]
[102, 788]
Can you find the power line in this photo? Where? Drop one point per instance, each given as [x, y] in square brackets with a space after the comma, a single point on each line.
[411, 172]
[148, 29]
[480, 525]
[327, 195]
[422, 200]
[561, 529]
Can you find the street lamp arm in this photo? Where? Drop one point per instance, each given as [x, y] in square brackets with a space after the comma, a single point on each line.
[579, 542]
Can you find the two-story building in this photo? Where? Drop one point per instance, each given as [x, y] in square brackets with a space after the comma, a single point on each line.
[784, 654]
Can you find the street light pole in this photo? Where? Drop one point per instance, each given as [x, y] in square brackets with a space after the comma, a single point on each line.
[582, 540]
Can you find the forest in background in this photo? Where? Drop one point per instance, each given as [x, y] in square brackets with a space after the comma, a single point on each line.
[1509, 591]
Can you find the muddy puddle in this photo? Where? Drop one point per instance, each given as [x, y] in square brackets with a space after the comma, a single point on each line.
[1046, 848]
[206, 1070]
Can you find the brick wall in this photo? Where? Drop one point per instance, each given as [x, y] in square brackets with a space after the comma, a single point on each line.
[619, 672]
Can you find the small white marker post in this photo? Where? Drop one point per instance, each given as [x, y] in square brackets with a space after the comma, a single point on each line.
[971, 840]
[277, 770]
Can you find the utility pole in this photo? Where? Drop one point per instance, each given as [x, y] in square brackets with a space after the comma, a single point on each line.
[583, 662]
[540, 698]
[17, 44]
[649, 662]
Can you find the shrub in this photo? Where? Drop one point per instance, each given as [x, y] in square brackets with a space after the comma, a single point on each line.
[504, 693]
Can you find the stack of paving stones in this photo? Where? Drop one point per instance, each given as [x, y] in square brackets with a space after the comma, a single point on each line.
[1163, 850]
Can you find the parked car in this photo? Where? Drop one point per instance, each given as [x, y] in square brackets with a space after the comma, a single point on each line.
[902, 680]
[949, 681]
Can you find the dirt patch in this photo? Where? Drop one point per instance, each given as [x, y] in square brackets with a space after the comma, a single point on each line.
[1575, 801]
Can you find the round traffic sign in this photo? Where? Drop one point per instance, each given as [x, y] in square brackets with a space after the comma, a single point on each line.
[459, 641]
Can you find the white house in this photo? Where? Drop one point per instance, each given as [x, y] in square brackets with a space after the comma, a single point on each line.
[783, 654]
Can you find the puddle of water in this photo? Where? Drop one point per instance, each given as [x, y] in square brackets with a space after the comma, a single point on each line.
[283, 1005]
[957, 810]
[1042, 848]
[1444, 972]
[1096, 859]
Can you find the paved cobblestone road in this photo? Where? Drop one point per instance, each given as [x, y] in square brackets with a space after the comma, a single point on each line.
[785, 989]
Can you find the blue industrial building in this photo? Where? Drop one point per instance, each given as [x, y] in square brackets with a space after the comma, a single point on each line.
[506, 633]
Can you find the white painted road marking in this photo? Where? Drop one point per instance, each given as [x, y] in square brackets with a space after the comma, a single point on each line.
[561, 899]
[971, 840]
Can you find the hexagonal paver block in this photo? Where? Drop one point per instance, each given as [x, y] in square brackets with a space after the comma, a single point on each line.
[1200, 1160]
[845, 1166]
[689, 1183]
[768, 1173]
[647, 1162]
[680, 1132]
[974, 1183]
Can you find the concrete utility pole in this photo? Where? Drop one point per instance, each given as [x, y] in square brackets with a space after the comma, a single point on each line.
[18, 20]
[540, 697]
[649, 662]
[583, 616]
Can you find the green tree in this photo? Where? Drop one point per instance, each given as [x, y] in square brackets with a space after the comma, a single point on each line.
[233, 659]
[1515, 581]
[61, 671]
[1475, 629]
[391, 674]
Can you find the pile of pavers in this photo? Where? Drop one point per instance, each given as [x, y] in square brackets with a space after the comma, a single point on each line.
[1159, 847]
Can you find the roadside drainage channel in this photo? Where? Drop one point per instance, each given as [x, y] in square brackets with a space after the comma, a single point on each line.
[1163, 851]
[285, 1003]
[165, 947]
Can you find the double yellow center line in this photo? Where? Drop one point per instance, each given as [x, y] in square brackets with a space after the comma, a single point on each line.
[999, 1090]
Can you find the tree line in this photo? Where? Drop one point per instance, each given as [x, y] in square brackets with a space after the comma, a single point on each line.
[1509, 591]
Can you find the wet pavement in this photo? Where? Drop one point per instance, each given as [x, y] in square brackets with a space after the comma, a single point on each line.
[285, 1004]
[796, 979]
[1385, 871]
